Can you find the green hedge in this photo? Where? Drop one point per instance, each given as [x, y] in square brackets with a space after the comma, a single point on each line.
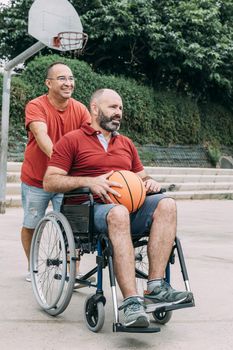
[216, 124]
[21, 93]
[150, 117]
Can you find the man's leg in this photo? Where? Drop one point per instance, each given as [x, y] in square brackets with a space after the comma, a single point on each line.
[35, 202]
[26, 239]
[124, 266]
[123, 252]
[162, 236]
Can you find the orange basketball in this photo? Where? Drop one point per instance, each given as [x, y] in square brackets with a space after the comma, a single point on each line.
[133, 192]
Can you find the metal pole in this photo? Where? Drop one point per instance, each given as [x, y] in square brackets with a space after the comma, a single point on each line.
[4, 138]
[5, 116]
[24, 55]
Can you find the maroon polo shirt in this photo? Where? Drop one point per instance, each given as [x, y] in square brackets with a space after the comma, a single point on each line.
[80, 153]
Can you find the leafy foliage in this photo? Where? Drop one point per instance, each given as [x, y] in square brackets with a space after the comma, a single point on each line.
[182, 44]
[14, 38]
[20, 95]
[150, 117]
[216, 123]
[185, 44]
[162, 118]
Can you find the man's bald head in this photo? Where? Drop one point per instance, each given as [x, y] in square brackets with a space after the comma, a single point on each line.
[103, 94]
[106, 109]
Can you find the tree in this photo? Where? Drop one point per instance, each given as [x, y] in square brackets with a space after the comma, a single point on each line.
[181, 44]
[14, 38]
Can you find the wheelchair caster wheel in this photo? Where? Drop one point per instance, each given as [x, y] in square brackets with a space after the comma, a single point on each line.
[94, 313]
[162, 317]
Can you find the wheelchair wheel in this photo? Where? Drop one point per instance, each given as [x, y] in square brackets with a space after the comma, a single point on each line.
[52, 249]
[141, 264]
[162, 317]
[94, 313]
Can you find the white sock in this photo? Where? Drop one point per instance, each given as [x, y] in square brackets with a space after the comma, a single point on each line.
[133, 296]
[154, 283]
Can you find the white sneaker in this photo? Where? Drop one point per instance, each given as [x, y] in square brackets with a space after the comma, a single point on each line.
[28, 277]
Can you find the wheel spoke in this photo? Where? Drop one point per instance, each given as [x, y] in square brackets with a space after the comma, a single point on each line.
[51, 240]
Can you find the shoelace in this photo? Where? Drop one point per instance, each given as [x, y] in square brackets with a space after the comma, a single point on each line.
[132, 304]
[134, 307]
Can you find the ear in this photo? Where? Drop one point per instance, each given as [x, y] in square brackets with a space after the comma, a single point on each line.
[47, 83]
[94, 108]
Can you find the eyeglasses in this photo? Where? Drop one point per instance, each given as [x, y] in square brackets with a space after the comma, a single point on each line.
[63, 79]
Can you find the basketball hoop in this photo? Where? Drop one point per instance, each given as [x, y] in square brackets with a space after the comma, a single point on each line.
[69, 41]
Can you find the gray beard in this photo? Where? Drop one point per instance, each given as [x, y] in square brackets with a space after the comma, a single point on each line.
[106, 123]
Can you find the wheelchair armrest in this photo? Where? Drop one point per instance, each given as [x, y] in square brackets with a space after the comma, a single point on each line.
[86, 190]
[162, 190]
[77, 191]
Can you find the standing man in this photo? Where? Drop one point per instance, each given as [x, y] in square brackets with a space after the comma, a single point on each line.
[48, 118]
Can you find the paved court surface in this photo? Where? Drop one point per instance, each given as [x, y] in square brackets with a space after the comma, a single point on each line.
[206, 232]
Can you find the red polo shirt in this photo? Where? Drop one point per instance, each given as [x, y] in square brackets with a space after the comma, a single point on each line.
[58, 123]
[80, 153]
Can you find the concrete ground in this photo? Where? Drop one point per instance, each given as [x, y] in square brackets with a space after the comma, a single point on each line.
[206, 232]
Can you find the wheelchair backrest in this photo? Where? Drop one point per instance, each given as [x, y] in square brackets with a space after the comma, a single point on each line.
[80, 216]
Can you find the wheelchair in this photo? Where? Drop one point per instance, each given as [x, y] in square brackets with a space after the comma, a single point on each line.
[60, 239]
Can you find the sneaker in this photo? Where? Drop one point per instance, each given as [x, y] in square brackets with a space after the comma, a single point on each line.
[165, 295]
[28, 277]
[79, 284]
[134, 313]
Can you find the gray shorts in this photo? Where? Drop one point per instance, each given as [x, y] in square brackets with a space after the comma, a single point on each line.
[35, 202]
[140, 220]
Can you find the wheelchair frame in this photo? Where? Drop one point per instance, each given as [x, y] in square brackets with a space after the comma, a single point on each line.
[53, 257]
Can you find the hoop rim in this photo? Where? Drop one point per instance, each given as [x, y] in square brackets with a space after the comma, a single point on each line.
[78, 37]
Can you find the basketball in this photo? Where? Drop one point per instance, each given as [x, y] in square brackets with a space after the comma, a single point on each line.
[133, 192]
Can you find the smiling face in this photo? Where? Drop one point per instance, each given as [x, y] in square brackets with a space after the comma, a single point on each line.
[107, 111]
[60, 82]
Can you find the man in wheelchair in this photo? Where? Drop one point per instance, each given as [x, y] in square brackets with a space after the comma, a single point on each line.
[86, 158]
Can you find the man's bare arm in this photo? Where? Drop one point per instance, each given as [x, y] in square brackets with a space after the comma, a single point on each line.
[40, 132]
[150, 184]
[57, 180]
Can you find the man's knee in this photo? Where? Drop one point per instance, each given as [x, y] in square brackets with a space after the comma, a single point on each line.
[166, 206]
[118, 214]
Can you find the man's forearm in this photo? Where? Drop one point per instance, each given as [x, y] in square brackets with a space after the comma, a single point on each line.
[64, 183]
[45, 143]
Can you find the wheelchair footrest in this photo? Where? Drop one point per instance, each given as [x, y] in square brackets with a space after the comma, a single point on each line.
[118, 327]
[173, 307]
[180, 306]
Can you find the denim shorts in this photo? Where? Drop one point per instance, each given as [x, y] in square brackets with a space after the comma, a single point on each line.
[140, 220]
[35, 202]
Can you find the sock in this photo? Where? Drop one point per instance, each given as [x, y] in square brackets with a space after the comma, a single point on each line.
[154, 283]
[133, 296]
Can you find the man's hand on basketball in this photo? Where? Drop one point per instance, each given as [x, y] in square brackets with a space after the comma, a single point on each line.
[101, 186]
[152, 186]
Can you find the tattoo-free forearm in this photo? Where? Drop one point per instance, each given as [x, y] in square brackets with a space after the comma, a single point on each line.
[63, 183]
[45, 143]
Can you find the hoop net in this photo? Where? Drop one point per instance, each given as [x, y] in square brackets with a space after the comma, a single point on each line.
[69, 41]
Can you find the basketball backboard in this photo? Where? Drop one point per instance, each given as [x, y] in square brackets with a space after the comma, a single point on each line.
[56, 24]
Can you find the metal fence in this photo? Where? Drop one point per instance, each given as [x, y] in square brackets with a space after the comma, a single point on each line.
[178, 156]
